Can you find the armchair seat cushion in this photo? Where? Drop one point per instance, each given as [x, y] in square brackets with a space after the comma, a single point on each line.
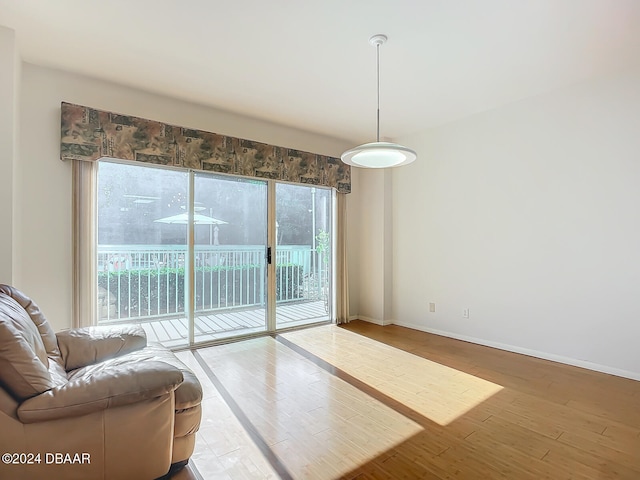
[110, 385]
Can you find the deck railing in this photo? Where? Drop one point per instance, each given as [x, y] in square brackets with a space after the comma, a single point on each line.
[147, 281]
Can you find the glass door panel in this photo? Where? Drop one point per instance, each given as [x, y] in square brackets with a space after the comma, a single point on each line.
[230, 237]
[303, 255]
[142, 249]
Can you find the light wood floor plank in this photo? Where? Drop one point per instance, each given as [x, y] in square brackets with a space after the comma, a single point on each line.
[223, 447]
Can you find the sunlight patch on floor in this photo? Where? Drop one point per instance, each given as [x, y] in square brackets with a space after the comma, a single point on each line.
[318, 425]
[436, 391]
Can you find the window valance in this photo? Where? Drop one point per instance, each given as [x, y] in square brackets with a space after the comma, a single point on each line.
[89, 134]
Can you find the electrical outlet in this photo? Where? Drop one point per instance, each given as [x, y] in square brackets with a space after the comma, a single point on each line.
[432, 307]
[465, 313]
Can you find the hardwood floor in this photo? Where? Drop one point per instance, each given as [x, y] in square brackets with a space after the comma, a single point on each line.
[368, 402]
[549, 421]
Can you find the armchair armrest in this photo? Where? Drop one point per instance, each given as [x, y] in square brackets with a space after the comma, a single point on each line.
[112, 387]
[80, 347]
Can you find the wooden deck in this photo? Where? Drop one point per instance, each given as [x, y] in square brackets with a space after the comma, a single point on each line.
[173, 332]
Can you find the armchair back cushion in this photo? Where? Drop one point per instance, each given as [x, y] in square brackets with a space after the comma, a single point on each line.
[24, 365]
[37, 318]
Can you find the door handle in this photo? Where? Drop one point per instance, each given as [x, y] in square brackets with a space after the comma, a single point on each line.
[268, 255]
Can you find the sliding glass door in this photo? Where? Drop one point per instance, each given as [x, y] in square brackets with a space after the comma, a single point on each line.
[303, 255]
[196, 257]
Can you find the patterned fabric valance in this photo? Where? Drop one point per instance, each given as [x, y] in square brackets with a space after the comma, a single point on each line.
[90, 134]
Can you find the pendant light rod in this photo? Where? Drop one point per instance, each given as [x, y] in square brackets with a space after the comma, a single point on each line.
[378, 72]
[378, 40]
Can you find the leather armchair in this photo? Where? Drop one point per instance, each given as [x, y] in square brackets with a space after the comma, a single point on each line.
[89, 403]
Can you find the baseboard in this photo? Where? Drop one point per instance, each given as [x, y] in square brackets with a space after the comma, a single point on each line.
[526, 351]
[373, 320]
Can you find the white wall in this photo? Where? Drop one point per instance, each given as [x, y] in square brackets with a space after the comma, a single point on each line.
[44, 186]
[373, 275]
[9, 92]
[528, 215]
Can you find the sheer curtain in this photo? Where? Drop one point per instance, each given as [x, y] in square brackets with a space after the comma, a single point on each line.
[342, 274]
[85, 298]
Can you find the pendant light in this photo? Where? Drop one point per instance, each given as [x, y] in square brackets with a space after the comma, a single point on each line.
[378, 154]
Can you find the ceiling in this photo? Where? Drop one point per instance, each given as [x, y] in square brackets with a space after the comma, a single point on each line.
[309, 64]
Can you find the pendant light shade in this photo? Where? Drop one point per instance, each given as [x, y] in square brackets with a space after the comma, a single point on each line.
[378, 154]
